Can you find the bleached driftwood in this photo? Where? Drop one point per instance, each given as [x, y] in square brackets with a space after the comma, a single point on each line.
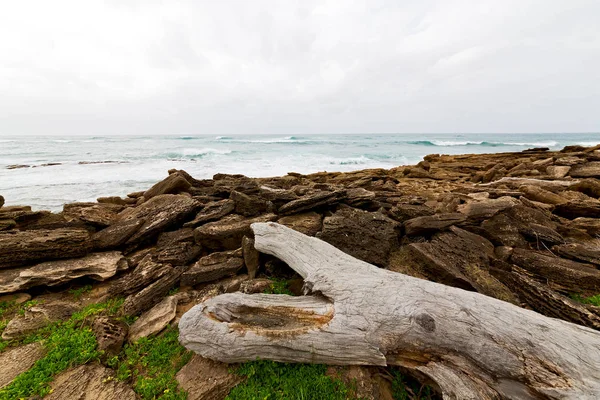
[516, 182]
[470, 345]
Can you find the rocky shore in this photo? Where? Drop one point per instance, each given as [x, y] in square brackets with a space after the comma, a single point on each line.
[521, 227]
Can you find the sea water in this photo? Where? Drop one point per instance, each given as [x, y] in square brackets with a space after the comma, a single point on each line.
[93, 166]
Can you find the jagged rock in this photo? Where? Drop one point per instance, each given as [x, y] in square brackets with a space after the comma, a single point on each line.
[204, 379]
[20, 248]
[89, 382]
[160, 214]
[590, 225]
[557, 171]
[251, 256]
[98, 215]
[249, 206]
[98, 266]
[110, 334]
[116, 234]
[37, 317]
[494, 173]
[308, 223]
[587, 170]
[503, 231]
[432, 223]
[417, 173]
[403, 212]
[227, 233]
[587, 253]
[590, 187]
[482, 210]
[166, 239]
[154, 320]
[18, 360]
[313, 201]
[212, 267]
[576, 209]
[6, 224]
[361, 198]
[563, 275]
[365, 235]
[258, 285]
[212, 211]
[173, 184]
[179, 253]
[536, 193]
[277, 196]
[461, 259]
[145, 273]
[152, 294]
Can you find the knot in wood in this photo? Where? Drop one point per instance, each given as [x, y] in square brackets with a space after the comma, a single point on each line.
[426, 322]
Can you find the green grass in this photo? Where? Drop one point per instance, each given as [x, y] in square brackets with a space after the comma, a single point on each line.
[593, 300]
[68, 344]
[279, 286]
[268, 380]
[150, 365]
[77, 293]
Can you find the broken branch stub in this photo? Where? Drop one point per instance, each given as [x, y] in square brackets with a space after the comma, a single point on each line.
[472, 346]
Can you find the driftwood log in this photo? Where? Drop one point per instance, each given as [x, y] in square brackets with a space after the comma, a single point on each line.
[472, 346]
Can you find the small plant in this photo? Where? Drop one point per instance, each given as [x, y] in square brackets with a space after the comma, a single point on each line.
[277, 381]
[77, 293]
[593, 300]
[279, 286]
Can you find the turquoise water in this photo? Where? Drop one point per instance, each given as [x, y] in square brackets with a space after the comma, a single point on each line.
[131, 163]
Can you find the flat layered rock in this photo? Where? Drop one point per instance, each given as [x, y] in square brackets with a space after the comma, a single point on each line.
[576, 209]
[37, 317]
[117, 234]
[146, 272]
[204, 379]
[212, 211]
[311, 202]
[368, 236]
[249, 206]
[308, 223]
[432, 223]
[485, 209]
[587, 170]
[23, 247]
[152, 294]
[587, 253]
[536, 193]
[18, 360]
[590, 225]
[227, 233]
[6, 224]
[89, 382]
[96, 214]
[173, 184]
[404, 212]
[154, 320]
[213, 267]
[98, 266]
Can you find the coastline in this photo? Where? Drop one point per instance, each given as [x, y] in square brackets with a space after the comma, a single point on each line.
[522, 227]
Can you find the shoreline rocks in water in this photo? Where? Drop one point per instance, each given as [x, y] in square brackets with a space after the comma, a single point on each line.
[521, 227]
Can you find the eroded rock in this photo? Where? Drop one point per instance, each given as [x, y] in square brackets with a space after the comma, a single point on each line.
[204, 379]
[154, 320]
[18, 360]
[89, 382]
[227, 233]
[212, 267]
[37, 317]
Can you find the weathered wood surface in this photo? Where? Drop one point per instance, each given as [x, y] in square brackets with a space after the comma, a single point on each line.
[472, 346]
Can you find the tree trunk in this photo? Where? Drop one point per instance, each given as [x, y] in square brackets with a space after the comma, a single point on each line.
[472, 346]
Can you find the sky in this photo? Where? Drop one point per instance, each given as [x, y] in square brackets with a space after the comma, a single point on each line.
[299, 67]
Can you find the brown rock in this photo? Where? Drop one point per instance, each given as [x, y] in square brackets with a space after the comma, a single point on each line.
[313, 201]
[204, 379]
[89, 382]
[536, 193]
[213, 267]
[568, 161]
[212, 211]
[259, 285]
[361, 198]
[17, 360]
[248, 206]
[590, 225]
[154, 320]
[576, 209]
[366, 383]
[144, 274]
[98, 266]
[110, 334]
[404, 212]
[557, 171]
[20, 248]
[6, 224]
[308, 223]
[37, 317]
[365, 235]
[587, 253]
[180, 253]
[432, 223]
[97, 215]
[587, 170]
[227, 233]
[590, 187]
[1, 201]
[116, 235]
[251, 256]
[173, 184]
[488, 208]
[151, 295]
[112, 200]
[503, 231]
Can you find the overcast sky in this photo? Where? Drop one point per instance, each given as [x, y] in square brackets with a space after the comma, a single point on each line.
[299, 67]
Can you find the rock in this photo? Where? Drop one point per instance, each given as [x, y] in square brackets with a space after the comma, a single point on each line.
[154, 320]
[361, 198]
[417, 173]
[313, 201]
[432, 223]
[110, 334]
[503, 231]
[587, 170]
[180, 253]
[1, 201]
[259, 285]
[213, 267]
[590, 187]
[494, 173]
[212, 211]
[249, 206]
[6, 224]
[111, 200]
[17, 360]
[404, 212]
[97, 215]
[144, 274]
[16, 298]
[586, 253]
[536, 193]
[563, 275]
[17, 166]
[368, 236]
[482, 210]
[204, 379]
[98, 266]
[365, 383]
[173, 184]
[151, 295]
[251, 256]
[20, 248]
[227, 233]
[576, 209]
[308, 223]
[89, 382]
[461, 259]
[557, 171]
[37, 317]
[160, 214]
[116, 235]
[166, 239]
[590, 225]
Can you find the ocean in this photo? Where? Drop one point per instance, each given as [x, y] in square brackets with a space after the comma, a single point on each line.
[61, 170]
